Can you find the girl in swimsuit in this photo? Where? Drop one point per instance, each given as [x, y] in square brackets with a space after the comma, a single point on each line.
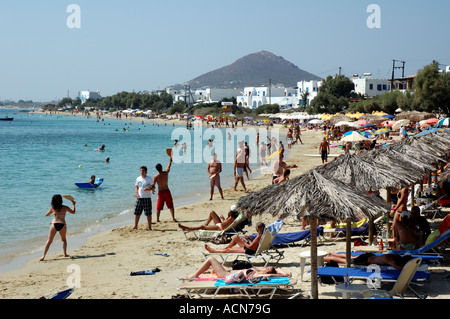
[241, 244]
[58, 223]
[221, 272]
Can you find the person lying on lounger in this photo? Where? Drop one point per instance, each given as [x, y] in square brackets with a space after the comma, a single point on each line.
[221, 272]
[394, 260]
[244, 243]
[219, 222]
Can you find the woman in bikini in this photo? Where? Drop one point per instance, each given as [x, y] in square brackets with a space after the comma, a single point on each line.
[242, 245]
[58, 223]
[221, 272]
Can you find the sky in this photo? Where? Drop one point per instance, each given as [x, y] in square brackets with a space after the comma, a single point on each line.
[49, 51]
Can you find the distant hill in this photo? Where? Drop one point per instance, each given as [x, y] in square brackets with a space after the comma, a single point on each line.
[254, 70]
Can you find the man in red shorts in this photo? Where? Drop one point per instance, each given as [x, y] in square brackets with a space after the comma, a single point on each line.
[164, 195]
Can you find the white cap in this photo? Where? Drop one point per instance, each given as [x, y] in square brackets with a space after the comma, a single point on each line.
[233, 208]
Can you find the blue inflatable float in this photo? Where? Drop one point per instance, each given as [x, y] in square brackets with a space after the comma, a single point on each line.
[97, 183]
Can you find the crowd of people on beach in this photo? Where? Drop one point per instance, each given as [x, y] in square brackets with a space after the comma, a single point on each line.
[410, 230]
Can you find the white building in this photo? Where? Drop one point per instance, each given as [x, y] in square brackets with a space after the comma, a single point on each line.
[253, 97]
[310, 87]
[85, 95]
[205, 95]
[369, 86]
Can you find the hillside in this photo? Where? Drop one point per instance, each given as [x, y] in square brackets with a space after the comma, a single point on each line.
[254, 70]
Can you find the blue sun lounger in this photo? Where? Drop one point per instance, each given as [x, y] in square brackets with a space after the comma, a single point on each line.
[364, 274]
[245, 288]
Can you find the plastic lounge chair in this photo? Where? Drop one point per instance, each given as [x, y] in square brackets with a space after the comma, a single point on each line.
[201, 288]
[360, 231]
[404, 279]
[431, 246]
[389, 275]
[264, 251]
[236, 226]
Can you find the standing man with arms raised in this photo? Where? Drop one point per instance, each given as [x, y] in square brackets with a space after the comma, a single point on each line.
[144, 187]
[164, 195]
[214, 169]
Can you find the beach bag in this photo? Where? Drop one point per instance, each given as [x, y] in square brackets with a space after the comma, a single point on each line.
[235, 278]
[220, 239]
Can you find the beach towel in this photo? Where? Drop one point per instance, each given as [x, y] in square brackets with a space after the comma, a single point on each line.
[270, 281]
[275, 227]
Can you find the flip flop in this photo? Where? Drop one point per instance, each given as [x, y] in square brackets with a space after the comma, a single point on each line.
[164, 255]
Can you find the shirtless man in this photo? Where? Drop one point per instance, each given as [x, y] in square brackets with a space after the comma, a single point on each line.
[279, 168]
[214, 169]
[404, 232]
[297, 134]
[164, 195]
[289, 138]
[239, 163]
[219, 222]
[324, 149]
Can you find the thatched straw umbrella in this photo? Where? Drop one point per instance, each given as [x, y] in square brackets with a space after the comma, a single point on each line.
[445, 176]
[374, 119]
[414, 116]
[315, 197]
[340, 118]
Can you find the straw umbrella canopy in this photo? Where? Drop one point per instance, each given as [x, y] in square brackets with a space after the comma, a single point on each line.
[314, 196]
[414, 116]
[365, 174]
[445, 176]
[340, 118]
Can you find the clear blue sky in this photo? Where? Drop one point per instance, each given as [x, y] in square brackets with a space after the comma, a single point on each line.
[148, 44]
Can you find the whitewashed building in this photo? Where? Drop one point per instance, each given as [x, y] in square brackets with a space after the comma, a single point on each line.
[253, 97]
[204, 95]
[369, 86]
[310, 87]
[86, 95]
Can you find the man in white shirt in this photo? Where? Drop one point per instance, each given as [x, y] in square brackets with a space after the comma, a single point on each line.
[144, 188]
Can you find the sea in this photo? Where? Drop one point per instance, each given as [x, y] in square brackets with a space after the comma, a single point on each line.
[46, 154]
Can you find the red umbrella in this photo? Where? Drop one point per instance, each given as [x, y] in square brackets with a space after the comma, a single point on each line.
[432, 121]
[361, 122]
[389, 123]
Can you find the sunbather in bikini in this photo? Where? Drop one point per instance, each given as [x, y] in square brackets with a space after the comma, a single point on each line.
[245, 246]
[221, 272]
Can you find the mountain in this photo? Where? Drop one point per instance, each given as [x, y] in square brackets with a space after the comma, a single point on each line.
[254, 70]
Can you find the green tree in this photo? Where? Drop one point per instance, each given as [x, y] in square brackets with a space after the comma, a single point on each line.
[432, 89]
[334, 95]
[65, 101]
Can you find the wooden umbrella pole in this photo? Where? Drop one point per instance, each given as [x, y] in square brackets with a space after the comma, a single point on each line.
[348, 243]
[314, 278]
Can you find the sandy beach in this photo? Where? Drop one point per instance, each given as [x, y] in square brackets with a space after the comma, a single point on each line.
[102, 265]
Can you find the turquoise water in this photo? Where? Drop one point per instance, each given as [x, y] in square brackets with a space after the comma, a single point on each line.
[41, 154]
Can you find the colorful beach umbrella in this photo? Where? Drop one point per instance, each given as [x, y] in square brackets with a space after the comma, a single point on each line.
[443, 122]
[381, 131]
[431, 121]
[354, 137]
[361, 122]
